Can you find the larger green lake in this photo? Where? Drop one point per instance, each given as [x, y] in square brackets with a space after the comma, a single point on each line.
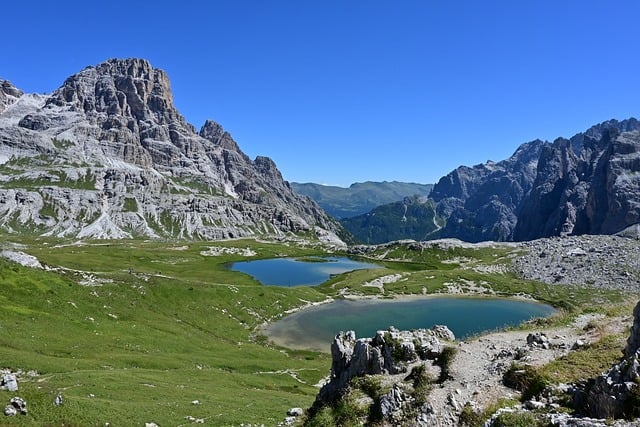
[315, 327]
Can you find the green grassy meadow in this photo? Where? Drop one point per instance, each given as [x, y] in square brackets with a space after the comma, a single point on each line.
[137, 331]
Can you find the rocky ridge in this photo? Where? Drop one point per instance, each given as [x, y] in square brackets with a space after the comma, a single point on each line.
[107, 155]
[587, 184]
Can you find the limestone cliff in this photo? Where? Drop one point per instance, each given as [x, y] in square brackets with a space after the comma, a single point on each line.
[107, 155]
[587, 185]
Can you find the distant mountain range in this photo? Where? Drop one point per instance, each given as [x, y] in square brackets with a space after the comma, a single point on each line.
[588, 184]
[359, 198]
[107, 155]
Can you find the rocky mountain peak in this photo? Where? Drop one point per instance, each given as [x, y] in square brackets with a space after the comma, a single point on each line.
[214, 132]
[8, 94]
[131, 88]
[585, 185]
[108, 155]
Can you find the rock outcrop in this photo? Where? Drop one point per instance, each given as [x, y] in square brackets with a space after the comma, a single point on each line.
[390, 352]
[616, 393]
[107, 155]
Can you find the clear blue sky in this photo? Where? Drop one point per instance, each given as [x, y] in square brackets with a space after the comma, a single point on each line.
[341, 91]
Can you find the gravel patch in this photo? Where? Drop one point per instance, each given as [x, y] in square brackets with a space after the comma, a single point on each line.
[607, 262]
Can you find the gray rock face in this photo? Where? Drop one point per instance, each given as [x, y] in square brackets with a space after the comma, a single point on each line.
[483, 202]
[107, 155]
[614, 393]
[387, 353]
[633, 342]
[8, 94]
[589, 184]
[586, 185]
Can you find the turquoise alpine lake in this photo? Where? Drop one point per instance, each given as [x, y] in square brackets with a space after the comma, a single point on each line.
[314, 328]
[290, 272]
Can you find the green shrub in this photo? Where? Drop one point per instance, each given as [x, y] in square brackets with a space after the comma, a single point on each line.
[516, 419]
[322, 418]
[422, 383]
[525, 379]
[130, 205]
[370, 385]
[470, 417]
[444, 360]
[348, 413]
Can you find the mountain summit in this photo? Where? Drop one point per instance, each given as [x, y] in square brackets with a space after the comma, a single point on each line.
[107, 155]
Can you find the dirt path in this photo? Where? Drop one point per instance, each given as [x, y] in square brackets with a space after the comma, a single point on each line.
[480, 363]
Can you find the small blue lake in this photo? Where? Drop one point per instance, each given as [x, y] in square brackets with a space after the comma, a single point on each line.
[298, 271]
[314, 328]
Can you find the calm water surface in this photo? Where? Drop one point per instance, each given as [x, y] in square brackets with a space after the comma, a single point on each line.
[298, 272]
[314, 328]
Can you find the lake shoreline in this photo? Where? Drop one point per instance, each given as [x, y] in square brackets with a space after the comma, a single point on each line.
[263, 329]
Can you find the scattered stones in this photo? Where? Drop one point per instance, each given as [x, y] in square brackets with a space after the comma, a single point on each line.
[538, 340]
[16, 406]
[608, 262]
[21, 258]
[222, 250]
[381, 281]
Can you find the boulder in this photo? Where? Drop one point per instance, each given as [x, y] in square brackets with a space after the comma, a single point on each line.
[9, 382]
[17, 405]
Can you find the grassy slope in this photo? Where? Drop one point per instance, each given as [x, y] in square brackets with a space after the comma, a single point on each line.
[360, 197]
[410, 219]
[144, 347]
[141, 347]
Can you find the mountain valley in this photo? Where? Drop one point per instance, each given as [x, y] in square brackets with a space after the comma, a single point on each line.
[119, 222]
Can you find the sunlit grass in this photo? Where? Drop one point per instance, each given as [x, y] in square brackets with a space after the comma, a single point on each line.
[134, 331]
